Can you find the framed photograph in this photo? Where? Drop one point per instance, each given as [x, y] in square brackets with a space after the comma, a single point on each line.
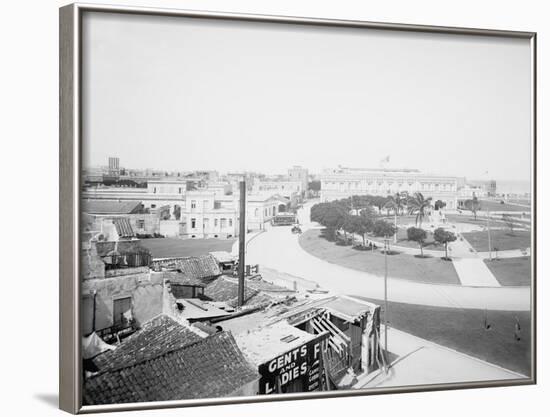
[258, 208]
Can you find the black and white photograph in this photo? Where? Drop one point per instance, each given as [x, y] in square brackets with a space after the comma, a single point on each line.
[276, 207]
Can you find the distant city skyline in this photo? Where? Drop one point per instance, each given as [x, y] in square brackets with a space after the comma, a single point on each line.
[189, 94]
[283, 170]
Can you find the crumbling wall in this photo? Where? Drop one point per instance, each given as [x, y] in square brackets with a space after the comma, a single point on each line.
[145, 291]
[91, 265]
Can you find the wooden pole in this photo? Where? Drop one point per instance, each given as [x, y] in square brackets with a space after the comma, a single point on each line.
[386, 247]
[242, 242]
[93, 314]
[489, 235]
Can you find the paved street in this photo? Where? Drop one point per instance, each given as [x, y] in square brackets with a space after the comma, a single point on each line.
[279, 249]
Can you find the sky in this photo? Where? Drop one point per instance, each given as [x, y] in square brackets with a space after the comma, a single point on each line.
[183, 94]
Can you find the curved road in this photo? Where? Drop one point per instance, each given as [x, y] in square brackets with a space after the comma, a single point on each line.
[279, 249]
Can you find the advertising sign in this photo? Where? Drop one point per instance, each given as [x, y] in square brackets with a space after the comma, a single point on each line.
[298, 370]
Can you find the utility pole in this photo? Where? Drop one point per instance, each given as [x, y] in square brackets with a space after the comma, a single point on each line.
[386, 248]
[242, 241]
[93, 315]
[489, 235]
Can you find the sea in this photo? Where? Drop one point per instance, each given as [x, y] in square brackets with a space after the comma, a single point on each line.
[519, 187]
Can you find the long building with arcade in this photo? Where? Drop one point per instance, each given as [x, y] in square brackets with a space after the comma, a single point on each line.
[342, 182]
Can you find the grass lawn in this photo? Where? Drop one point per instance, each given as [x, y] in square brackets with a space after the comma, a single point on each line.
[496, 206]
[429, 243]
[511, 271]
[402, 224]
[173, 247]
[524, 202]
[464, 331]
[482, 220]
[501, 239]
[430, 270]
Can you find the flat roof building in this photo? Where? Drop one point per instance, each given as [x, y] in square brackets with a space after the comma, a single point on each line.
[342, 182]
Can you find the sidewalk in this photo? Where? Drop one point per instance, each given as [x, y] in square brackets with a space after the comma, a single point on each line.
[473, 272]
[421, 362]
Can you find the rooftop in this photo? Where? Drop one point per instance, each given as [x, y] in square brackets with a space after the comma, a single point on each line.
[179, 278]
[223, 256]
[265, 343]
[123, 227]
[110, 207]
[156, 337]
[210, 367]
[349, 309]
[257, 291]
[199, 267]
[195, 309]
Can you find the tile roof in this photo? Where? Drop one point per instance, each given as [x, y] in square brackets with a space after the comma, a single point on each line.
[256, 291]
[211, 367]
[156, 337]
[227, 290]
[179, 278]
[110, 206]
[204, 268]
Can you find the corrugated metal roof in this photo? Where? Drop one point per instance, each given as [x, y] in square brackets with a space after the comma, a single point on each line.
[123, 227]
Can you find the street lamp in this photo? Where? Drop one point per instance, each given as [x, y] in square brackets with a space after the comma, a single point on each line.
[386, 248]
[489, 236]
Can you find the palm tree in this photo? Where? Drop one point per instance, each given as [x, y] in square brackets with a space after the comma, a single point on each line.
[396, 203]
[418, 205]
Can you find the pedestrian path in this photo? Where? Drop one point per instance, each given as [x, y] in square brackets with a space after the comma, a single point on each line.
[511, 253]
[474, 272]
[421, 362]
[470, 268]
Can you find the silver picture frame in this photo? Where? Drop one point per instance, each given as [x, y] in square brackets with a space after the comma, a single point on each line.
[70, 148]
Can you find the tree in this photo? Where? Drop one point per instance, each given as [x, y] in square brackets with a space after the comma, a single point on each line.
[473, 205]
[419, 205]
[379, 202]
[382, 228]
[396, 202]
[318, 211]
[331, 215]
[439, 204]
[444, 237]
[347, 225]
[314, 185]
[363, 223]
[417, 235]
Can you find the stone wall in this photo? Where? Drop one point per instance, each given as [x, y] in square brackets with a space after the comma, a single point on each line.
[170, 228]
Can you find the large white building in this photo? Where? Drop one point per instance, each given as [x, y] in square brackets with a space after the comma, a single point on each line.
[208, 214]
[343, 182]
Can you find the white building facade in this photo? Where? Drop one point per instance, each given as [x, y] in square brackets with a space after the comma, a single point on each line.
[207, 214]
[341, 183]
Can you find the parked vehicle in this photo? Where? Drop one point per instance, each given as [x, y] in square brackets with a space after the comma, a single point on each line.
[296, 229]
